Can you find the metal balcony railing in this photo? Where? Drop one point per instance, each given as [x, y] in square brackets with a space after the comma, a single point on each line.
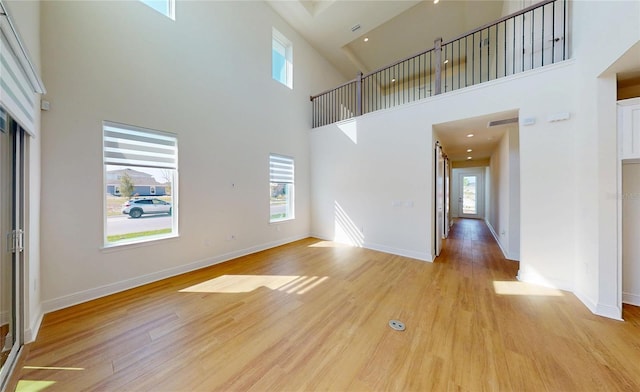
[531, 38]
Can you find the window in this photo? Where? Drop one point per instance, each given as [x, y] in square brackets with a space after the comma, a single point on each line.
[137, 163]
[281, 59]
[165, 7]
[281, 182]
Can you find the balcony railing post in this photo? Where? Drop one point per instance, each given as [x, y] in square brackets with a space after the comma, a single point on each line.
[359, 94]
[437, 49]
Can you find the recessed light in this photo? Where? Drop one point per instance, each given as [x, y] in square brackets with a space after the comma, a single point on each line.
[446, 61]
[393, 80]
[436, 1]
[469, 158]
[469, 150]
[470, 135]
[366, 39]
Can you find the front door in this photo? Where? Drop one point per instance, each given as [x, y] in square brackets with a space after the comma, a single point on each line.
[469, 196]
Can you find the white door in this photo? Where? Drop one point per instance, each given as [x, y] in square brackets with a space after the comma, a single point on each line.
[470, 194]
[11, 224]
[631, 233]
[439, 200]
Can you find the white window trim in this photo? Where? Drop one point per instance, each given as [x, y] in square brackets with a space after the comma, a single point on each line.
[286, 43]
[291, 211]
[171, 9]
[110, 160]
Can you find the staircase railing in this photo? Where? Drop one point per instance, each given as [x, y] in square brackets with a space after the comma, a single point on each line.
[530, 38]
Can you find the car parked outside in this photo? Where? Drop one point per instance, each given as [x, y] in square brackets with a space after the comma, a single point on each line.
[135, 208]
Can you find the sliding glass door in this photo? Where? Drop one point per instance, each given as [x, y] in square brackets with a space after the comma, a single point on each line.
[11, 252]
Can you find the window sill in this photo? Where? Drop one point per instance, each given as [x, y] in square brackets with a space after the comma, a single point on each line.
[275, 222]
[126, 245]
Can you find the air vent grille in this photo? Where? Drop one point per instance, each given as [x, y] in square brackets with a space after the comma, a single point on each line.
[506, 121]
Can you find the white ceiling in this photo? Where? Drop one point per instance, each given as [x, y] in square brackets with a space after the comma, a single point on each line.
[396, 29]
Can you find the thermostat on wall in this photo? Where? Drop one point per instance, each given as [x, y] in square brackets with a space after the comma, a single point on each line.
[528, 121]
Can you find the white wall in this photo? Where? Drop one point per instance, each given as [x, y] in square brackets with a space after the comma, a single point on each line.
[504, 216]
[568, 235]
[595, 237]
[26, 15]
[498, 219]
[206, 77]
[392, 160]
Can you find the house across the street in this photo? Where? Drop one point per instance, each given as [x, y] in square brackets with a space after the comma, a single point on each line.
[144, 184]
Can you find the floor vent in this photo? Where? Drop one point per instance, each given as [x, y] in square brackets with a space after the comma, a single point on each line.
[397, 325]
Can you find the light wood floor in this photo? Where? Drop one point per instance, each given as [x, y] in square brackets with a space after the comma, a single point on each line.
[313, 316]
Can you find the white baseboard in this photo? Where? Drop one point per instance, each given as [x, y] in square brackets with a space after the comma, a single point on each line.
[588, 302]
[102, 291]
[495, 236]
[423, 256]
[31, 333]
[554, 284]
[631, 299]
[612, 312]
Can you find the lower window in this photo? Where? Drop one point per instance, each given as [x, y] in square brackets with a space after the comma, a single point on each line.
[281, 181]
[140, 173]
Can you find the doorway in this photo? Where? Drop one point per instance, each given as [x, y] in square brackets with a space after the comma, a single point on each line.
[12, 138]
[468, 193]
[631, 233]
[441, 188]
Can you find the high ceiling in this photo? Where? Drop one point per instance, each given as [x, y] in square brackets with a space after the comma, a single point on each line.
[395, 29]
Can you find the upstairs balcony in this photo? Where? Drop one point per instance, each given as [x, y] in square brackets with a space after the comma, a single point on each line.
[528, 39]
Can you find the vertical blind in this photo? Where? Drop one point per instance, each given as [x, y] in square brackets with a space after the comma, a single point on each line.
[134, 146]
[280, 169]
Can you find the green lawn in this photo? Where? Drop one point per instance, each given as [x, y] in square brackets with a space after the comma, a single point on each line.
[128, 236]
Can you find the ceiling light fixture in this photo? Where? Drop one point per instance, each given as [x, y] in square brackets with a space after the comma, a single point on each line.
[469, 150]
[436, 1]
[446, 61]
[393, 80]
[366, 39]
[469, 158]
[470, 135]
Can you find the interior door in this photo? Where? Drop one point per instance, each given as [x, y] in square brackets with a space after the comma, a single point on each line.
[439, 200]
[11, 252]
[631, 233]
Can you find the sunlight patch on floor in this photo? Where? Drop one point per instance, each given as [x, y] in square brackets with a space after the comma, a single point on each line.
[33, 385]
[520, 288]
[50, 368]
[329, 244]
[291, 284]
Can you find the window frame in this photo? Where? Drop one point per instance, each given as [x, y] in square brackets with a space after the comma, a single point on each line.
[278, 39]
[171, 8]
[279, 175]
[114, 154]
